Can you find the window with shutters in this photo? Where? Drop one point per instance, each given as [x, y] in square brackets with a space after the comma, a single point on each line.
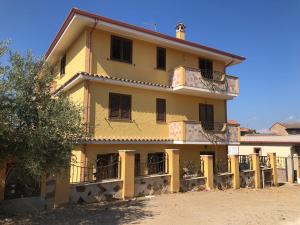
[160, 110]
[161, 58]
[121, 49]
[206, 116]
[206, 68]
[63, 65]
[119, 106]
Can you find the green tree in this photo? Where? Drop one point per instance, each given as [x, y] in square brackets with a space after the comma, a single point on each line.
[37, 129]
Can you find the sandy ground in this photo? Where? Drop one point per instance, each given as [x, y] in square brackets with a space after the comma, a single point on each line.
[246, 206]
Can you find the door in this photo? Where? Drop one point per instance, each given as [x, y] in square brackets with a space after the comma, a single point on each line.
[206, 116]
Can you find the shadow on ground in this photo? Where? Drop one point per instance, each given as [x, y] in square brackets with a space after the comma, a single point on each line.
[123, 212]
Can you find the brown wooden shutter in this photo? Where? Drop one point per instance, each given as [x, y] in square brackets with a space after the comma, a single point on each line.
[114, 106]
[161, 110]
[125, 107]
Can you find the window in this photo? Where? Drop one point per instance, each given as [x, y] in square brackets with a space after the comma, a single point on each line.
[156, 163]
[257, 151]
[161, 58]
[206, 116]
[160, 110]
[119, 106]
[121, 49]
[206, 68]
[107, 166]
[63, 65]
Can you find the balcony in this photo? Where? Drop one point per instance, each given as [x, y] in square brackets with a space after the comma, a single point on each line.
[191, 81]
[195, 132]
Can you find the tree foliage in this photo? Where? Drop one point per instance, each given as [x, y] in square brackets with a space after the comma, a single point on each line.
[37, 129]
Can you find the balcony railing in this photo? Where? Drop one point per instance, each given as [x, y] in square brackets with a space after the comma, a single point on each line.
[195, 131]
[215, 83]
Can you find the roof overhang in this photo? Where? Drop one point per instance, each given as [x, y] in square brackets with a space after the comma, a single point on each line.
[78, 20]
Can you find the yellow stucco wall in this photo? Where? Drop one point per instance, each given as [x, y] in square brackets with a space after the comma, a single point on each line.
[143, 65]
[280, 150]
[143, 124]
[187, 152]
[75, 60]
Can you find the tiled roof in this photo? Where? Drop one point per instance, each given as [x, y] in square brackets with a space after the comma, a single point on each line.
[102, 77]
[295, 125]
[75, 11]
[124, 139]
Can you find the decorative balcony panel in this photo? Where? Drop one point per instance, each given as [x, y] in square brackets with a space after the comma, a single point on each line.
[193, 131]
[191, 81]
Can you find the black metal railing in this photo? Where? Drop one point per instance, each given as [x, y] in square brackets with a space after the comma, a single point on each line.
[222, 166]
[212, 126]
[190, 168]
[157, 163]
[104, 168]
[281, 162]
[264, 161]
[245, 162]
[211, 74]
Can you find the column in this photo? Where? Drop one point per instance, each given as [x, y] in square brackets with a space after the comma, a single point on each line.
[256, 168]
[290, 169]
[2, 180]
[208, 170]
[174, 170]
[297, 167]
[273, 164]
[127, 172]
[235, 169]
[62, 189]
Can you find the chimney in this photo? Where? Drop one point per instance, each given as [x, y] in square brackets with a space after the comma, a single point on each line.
[180, 31]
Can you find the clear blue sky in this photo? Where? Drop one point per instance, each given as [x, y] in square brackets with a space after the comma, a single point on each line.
[266, 32]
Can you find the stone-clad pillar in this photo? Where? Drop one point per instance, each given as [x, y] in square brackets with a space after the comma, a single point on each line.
[297, 166]
[127, 172]
[2, 180]
[208, 170]
[256, 168]
[235, 169]
[272, 157]
[174, 170]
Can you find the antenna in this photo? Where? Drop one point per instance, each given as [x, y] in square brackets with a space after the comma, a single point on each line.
[151, 24]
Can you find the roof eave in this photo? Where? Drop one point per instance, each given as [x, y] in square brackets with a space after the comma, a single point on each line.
[234, 59]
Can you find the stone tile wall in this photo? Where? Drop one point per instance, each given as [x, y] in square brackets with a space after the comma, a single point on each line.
[152, 185]
[96, 192]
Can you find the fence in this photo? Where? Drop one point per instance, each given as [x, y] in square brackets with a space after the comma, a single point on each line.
[264, 161]
[222, 166]
[245, 162]
[154, 163]
[189, 169]
[105, 168]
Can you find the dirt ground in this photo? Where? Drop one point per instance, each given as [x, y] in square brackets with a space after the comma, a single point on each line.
[274, 206]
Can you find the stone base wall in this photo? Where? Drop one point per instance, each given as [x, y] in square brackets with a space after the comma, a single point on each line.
[193, 184]
[96, 192]
[247, 179]
[152, 185]
[223, 181]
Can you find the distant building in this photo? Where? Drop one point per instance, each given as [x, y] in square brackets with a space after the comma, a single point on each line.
[245, 130]
[280, 128]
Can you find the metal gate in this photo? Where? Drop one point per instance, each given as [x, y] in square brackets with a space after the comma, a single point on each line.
[282, 170]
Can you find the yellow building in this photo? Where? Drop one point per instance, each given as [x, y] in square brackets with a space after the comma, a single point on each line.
[142, 90]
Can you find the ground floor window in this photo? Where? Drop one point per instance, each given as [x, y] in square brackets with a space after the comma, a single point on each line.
[107, 166]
